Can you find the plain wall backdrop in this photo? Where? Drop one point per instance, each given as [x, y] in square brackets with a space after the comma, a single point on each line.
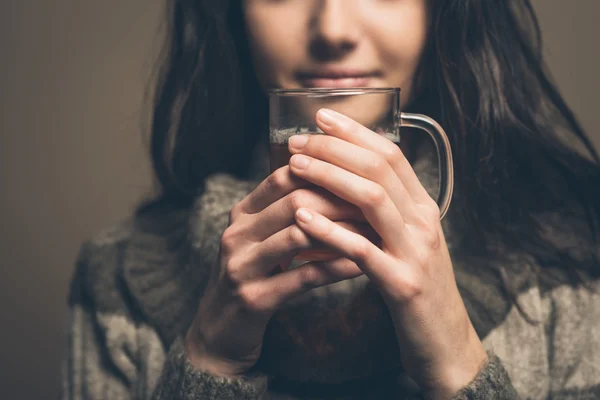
[72, 159]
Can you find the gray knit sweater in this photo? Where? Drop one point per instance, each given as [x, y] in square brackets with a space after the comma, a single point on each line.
[137, 286]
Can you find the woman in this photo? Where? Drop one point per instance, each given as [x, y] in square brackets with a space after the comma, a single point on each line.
[186, 299]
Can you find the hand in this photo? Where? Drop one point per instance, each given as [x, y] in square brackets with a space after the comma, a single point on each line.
[412, 268]
[244, 291]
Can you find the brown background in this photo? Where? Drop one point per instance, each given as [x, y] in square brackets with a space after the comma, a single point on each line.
[72, 81]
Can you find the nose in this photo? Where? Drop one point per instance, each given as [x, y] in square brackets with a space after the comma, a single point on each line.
[335, 29]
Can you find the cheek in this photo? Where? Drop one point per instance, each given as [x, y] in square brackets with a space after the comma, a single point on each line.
[270, 33]
[399, 41]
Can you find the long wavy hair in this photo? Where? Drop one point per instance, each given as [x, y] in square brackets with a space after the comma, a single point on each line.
[482, 77]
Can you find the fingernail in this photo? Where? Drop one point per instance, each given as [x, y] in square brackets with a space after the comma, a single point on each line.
[298, 141]
[327, 117]
[299, 161]
[304, 215]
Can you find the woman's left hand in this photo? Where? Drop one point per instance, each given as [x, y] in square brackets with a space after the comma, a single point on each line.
[412, 270]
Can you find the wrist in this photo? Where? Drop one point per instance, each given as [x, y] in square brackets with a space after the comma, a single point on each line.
[202, 360]
[458, 373]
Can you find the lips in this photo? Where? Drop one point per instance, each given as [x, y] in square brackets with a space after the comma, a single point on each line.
[336, 82]
[336, 78]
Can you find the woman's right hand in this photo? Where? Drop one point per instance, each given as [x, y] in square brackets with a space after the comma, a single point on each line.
[248, 286]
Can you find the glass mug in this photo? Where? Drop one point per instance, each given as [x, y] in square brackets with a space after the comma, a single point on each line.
[292, 112]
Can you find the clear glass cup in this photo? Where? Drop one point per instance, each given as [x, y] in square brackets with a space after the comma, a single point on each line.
[292, 112]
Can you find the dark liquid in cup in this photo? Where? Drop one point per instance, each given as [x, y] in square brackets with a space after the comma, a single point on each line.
[280, 156]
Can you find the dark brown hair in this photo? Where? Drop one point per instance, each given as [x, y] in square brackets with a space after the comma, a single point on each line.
[482, 76]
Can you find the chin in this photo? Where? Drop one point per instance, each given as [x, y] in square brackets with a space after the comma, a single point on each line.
[334, 334]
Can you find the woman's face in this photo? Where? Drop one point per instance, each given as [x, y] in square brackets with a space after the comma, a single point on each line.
[336, 43]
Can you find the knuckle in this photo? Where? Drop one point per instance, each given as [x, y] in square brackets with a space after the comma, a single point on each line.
[233, 269]
[392, 153]
[377, 165]
[297, 238]
[276, 182]
[298, 199]
[250, 298]
[420, 221]
[408, 288]
[309, 277]
[375, 196]
[432, 239]
[229, 239]
[361, 252]
[423, 258]
[412, 287]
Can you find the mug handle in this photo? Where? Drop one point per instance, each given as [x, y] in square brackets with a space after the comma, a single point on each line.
[444, 153]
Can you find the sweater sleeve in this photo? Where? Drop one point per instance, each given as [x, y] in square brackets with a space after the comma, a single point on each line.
[113, 354]
[181, 380]
[568, 330]
[492, 383]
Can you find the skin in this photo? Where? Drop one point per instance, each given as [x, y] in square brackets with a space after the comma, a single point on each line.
[385, 37]
[342, 189]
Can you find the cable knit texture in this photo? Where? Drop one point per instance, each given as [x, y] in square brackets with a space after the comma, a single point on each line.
[182, 382]
[492, 383]
[137, 286]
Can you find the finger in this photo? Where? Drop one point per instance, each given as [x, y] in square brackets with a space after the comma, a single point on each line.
[370, 197]
[371, 259]
[360, 161]
[276, 186]
[280, 214]
[280, 248]
[322, 252]
[286, 285]
[345, 128]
